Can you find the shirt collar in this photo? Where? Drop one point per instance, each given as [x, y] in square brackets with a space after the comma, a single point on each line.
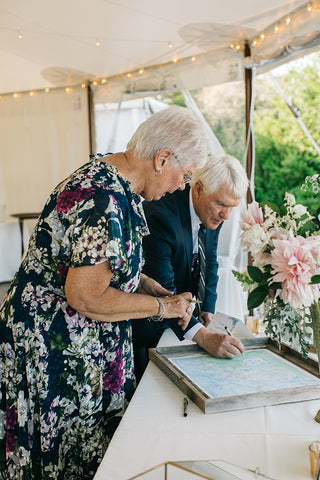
[195, 220]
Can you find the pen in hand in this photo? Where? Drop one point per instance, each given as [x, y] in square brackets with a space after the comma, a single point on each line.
[228, 331]
[230, 334]
[194, 301]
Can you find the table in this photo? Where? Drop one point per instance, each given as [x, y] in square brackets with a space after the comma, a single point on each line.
[154, 430]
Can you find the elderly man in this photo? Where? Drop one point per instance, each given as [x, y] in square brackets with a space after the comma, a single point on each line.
[181, 254]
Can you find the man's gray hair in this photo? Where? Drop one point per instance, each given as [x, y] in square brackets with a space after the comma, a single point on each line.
[222, 171]
[174, 128]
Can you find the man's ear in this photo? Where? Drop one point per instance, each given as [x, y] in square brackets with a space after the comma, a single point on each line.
[198, 188]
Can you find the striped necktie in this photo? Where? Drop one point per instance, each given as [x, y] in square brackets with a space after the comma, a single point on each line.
[202, 261]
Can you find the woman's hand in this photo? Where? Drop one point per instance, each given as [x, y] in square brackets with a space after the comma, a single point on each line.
[179, 306]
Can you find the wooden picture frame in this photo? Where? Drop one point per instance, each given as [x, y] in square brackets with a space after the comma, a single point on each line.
[198, 374]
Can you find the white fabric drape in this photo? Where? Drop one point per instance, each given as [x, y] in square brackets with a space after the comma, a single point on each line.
[115, 123]
[43, 138]
[231, 298]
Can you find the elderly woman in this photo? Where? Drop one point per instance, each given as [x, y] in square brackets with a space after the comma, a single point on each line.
[66, 352]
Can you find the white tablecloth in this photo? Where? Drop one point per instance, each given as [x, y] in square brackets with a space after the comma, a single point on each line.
[154, 430]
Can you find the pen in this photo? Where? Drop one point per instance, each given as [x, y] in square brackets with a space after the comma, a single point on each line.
[195, 301]
[185, 406]
[230, 334]
[228, 331]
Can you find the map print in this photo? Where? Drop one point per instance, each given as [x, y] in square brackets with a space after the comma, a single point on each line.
[254, 371]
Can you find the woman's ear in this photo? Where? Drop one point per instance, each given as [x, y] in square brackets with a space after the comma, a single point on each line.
[160, 160]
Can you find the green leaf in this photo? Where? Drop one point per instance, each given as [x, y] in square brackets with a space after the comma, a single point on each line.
[255, 273]
[315, 279]
[257, 296]
[307, 227]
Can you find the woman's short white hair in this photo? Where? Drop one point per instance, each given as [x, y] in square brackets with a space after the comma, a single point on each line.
[221, 171]
[176, 129]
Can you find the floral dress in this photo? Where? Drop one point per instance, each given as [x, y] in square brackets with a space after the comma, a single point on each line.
[66, 379]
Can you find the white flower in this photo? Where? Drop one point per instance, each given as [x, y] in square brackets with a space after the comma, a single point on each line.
[290, 199]
[254, 240]
[299, 210]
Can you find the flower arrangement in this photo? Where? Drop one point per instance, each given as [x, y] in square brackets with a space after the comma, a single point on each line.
[284, 245]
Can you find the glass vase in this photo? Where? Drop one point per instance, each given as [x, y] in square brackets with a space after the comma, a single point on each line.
[315, 317]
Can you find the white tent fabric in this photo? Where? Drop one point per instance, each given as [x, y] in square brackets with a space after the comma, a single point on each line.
[43, 139]
[62, 43]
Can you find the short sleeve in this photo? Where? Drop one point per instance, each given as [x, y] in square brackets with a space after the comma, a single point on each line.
[99, 234]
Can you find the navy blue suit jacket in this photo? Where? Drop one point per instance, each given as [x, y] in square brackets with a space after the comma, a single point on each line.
[169, 250]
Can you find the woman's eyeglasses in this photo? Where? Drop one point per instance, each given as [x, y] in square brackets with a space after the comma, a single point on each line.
[187, 175]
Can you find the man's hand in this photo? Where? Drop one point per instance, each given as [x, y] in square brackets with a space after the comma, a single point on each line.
[205, 318]
[218, 345]
[148, 286]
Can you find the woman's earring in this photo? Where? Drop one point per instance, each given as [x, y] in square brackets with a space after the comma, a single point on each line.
[158, 173]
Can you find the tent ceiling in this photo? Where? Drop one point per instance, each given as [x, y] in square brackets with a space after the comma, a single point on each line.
[58, 44]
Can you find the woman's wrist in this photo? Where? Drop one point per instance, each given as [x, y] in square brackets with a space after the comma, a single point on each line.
[161, 311]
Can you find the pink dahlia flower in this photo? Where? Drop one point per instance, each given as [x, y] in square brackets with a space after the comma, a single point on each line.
[251, 216]
[293, 264]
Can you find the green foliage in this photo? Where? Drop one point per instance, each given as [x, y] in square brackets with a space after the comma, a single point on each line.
[284, 324]
[284, 154]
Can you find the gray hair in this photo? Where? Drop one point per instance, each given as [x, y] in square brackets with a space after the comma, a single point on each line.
[222, 171]
[174, 128]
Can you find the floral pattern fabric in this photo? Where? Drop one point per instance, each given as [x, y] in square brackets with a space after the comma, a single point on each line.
[66, 379]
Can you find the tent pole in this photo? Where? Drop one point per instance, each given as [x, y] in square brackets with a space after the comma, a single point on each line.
[90, 118]
[248, 100]
[249, 152]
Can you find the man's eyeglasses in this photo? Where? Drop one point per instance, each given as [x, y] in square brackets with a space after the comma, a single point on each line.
[187, 175]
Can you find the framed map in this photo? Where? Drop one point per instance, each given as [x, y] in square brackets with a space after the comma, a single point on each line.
[262, 375]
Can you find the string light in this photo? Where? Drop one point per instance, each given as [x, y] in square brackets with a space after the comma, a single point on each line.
[312, 6]
[47, 90]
